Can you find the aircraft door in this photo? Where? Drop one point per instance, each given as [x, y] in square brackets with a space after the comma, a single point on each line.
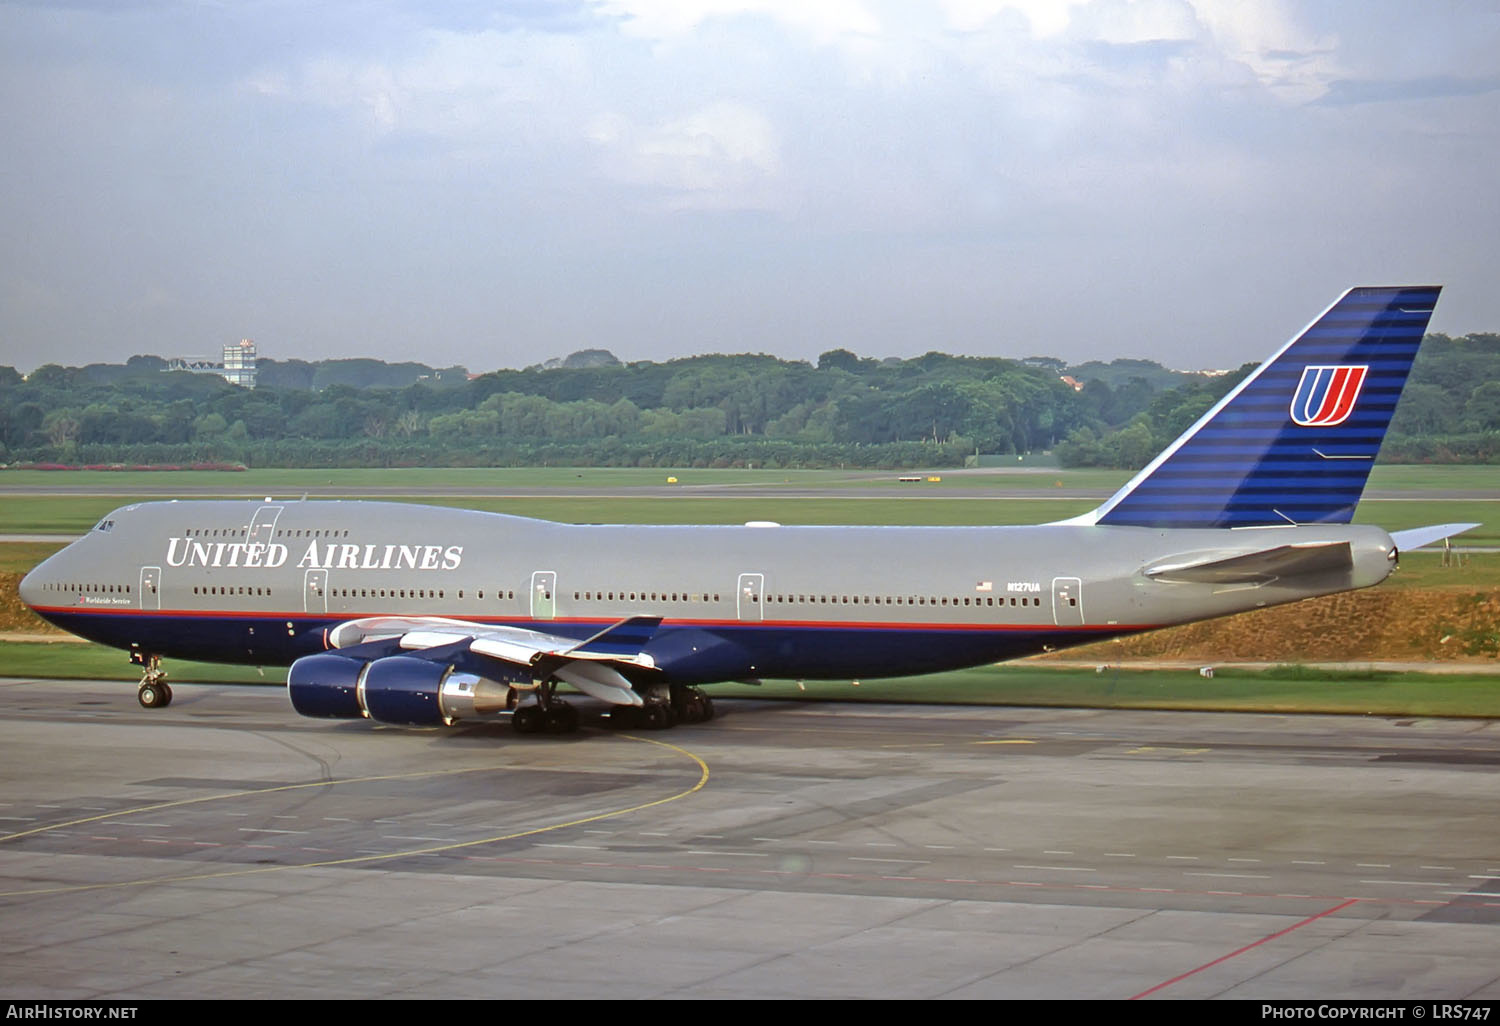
[748, 597]
[544, 595]
[150, 587]
[315, 591]
[263, 526]
[1067, 601]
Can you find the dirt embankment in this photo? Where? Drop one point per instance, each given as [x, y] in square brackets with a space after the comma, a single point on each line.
[15, 617]
[1373, 625]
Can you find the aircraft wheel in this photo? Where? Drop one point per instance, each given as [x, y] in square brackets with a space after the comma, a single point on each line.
[561, 719]
[166, 695]
[659, 716]
[529, 719]
[152, 696]
[683, 702]
[624, 717]
[691, 706]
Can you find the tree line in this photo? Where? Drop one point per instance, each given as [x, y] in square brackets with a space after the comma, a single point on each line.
[591, 409]
[1449, 412]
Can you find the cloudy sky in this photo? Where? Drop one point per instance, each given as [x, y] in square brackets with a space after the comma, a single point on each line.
[493, 183]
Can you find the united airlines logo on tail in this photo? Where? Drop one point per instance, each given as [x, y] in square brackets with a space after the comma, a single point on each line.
[1325, 395]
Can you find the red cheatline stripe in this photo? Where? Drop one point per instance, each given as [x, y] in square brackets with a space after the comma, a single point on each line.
[1247, 947]
[867, 625]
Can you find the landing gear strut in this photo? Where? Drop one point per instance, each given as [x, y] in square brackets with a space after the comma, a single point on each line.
[154, 692]
[548, 715]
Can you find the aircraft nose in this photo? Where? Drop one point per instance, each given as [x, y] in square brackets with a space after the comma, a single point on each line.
[32, 586]
[37, 588]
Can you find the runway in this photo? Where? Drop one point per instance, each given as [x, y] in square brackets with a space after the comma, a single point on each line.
[226, 848]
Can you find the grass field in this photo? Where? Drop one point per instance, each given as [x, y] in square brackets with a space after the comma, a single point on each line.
[1411, 477]
[415, 479]
[1477, 571]
[739, 500]
[72, 515]
[1400, 514]
[1283, 689]
[422, 480]
[85, 661]
[20, 557]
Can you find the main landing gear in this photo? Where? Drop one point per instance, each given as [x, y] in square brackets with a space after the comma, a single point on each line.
[679, 704]
[664, 707]
[154, 692]
[548, 715]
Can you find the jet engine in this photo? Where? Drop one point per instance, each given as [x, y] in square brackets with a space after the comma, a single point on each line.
[403, 690]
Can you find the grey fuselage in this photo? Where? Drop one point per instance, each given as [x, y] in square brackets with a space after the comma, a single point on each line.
[263, 582]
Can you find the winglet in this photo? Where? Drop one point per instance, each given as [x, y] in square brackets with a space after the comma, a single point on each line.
[1294, 442]
[622, 639]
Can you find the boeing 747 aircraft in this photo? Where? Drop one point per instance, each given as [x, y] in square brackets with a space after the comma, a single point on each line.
[424, 616]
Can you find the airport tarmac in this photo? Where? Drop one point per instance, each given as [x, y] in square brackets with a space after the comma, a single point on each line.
[226, 848]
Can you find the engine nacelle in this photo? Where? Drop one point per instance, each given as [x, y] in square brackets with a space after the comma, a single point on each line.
[404, 690]
[327, 685]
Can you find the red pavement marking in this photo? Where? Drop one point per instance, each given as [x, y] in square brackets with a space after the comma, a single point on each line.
[1247, 947]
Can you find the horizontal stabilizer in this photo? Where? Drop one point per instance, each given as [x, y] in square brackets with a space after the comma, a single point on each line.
[1259, 567]
[1419, 536]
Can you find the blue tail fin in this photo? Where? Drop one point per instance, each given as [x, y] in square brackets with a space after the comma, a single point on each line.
[1294, 442]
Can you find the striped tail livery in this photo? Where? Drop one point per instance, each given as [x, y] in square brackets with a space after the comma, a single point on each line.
[1294, 442]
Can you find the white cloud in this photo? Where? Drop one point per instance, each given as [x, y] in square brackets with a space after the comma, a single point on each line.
[722, 157]
[405, 159]
[1133, 21]
[824, 21]
[1292, 60]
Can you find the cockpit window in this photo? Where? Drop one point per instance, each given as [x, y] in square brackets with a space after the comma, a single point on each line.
[104, 525]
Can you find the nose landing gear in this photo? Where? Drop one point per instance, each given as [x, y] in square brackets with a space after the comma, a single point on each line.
[154, 691]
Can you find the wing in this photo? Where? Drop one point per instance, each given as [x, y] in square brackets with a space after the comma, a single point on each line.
[592, 665]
